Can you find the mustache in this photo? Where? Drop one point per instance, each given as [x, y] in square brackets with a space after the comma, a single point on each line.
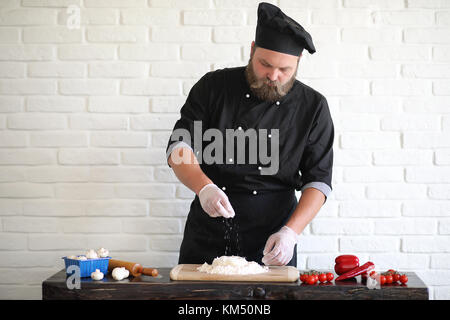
[259, 83]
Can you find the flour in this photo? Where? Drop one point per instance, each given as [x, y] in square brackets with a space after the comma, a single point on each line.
[232, 265]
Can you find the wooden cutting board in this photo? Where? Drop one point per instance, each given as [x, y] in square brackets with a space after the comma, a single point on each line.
[275, 274]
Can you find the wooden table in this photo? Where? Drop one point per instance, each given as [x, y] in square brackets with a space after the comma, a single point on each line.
[162, 288]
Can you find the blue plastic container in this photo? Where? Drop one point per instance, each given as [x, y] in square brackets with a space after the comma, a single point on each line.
[88, 266]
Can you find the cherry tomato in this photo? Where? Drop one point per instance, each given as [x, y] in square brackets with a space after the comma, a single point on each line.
[322, 277]
[316, 278]
[391, 271]
[330, 276]
[403, 278]
[311, 279]
[373, 274]
[306, 277]
[389, 278]
[382, 280]
[303, 277]
[396, 277]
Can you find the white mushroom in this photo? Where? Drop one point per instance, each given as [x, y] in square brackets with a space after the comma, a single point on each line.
[102, 253]
[91, 254]
[97, 275]
[120, 273]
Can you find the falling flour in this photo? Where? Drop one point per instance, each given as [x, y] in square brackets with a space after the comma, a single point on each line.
[231, 237]
[232, 265]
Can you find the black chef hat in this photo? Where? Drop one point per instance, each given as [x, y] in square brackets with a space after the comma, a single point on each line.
[278, 32]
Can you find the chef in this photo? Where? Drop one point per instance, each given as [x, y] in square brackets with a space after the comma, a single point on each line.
[249, 208]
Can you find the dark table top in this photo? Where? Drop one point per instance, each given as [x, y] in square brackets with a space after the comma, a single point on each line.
[163, 288]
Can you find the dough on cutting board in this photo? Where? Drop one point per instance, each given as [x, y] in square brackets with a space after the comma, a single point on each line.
[232, 265]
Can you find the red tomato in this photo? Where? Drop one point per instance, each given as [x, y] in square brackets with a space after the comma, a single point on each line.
[303, 277]
[316, 278]
[330, 276]
[382, 280]
[389, 278]
[322, 277]
[373, 274]
[391, 271]
[403, 278]
[396, 277]
[311, 279]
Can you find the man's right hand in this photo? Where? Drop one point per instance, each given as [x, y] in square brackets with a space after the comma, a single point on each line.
[215, 202]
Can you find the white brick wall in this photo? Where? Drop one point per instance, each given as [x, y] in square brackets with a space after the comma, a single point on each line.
[85, 115]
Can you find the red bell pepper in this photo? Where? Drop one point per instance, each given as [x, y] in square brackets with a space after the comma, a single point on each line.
[346, 258]
[341, 268]
[368, 266]
[345, 263]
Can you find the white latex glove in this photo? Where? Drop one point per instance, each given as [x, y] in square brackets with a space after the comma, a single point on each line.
[280, 247]
[215, 202]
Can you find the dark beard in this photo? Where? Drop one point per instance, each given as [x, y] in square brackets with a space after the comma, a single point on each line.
[262, 90]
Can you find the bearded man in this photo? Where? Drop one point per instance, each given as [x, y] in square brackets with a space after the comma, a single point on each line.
[237, 210]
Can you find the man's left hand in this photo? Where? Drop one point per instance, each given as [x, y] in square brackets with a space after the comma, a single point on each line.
[280, 247]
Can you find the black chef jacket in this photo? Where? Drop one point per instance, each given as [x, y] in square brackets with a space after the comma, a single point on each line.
[263, 203]
[222, 99]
